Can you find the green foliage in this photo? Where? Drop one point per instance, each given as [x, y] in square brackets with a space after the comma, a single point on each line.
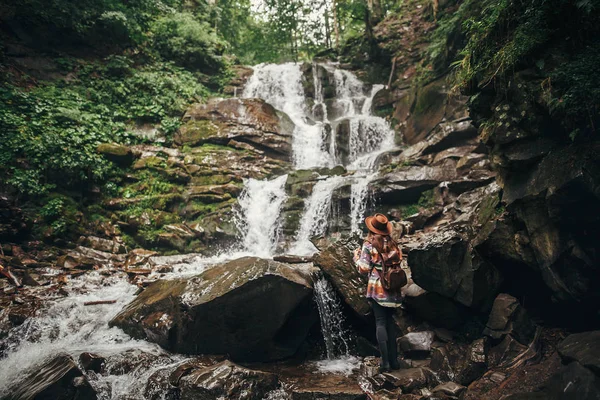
[191, 43]
[91, 21]
[50, 133]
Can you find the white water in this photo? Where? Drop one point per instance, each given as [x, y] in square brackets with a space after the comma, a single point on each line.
[258, 219]
[66, 326]
[281, 86]
[315, 216]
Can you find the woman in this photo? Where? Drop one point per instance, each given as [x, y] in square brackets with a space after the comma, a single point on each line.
[383, 302]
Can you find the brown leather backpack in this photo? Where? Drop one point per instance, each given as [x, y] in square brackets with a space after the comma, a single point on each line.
[392, 275]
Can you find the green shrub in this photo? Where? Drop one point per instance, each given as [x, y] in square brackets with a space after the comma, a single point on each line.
[180, 37]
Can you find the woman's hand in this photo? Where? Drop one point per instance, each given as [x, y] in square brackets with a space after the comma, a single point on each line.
[357, 253]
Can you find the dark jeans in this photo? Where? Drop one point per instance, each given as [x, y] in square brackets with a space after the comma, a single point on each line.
[385, 331]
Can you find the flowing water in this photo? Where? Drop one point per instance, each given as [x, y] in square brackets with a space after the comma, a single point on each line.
[65, 325]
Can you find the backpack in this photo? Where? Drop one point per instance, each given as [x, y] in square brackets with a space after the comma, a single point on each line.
[392, 275]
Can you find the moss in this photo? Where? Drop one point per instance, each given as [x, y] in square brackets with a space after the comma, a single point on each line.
[216, 179]
[427, 199]
[196, 132]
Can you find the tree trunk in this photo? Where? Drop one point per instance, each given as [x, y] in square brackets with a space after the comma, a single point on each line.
[375, 11]
[336, 26]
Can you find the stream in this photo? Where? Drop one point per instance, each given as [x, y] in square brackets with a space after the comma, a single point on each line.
[66, 326]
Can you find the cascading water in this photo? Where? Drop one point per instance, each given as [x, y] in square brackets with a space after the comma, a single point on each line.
[315, 216]
[258, 216]
[337, 340]
[65, 325]
[281, 86]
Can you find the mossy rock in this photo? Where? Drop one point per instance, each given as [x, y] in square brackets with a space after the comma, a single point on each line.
[293, 203]
[119, 154]
[216, 179]
[300, 176]
[152, 162]
[194, 132]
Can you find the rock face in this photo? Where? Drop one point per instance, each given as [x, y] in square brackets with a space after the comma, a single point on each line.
[250, 308]
[336, 261]
[251, 121]
[59, 378]
[583, 348]
[227, 380]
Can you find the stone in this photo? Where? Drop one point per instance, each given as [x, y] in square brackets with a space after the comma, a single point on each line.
[416, 341]
[433, 307]
[408, 379]
[406, 184]
[460, 363]
[91, 362]
[509, 317]
[259, 310]
[227, 380]
[59, 378]
[573, 382]
[105, 245]
[445, 263]
[582, 347]
[337, 263]
[116, 153]
[449, 389]
[511, 353]
[251, 121]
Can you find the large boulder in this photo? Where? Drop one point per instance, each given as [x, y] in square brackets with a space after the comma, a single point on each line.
[446, 263]
[584, 348]
[509, 317]
[59, 378]
[336, 262]
[250, 308]
[251, 121]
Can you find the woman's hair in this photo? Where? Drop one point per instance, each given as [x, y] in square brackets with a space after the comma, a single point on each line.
[383, 243]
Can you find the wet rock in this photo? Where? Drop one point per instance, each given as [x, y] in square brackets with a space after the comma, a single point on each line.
[434, 307]
[405, 185]
[227, 380]
[449, 390]
[584, 348]
[292, 259]
[251, 121]
[416, 341]
[342, 393]
[337, 264]
[129, 360]
[58, 378]
[91, 362]
[116, 153]
[573, 382]
[459, 362]
[446, 264]
[139, 257]
[105, 245]
[508, 317]
[259, 310]
[409, 379]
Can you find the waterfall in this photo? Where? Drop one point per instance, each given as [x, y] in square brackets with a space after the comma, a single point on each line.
[258, 216]
[336, 336]
[315, 215]
[65, 325]
[68, 326]
[281, 86]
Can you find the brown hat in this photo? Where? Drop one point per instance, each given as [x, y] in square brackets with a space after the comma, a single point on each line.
[379, 223]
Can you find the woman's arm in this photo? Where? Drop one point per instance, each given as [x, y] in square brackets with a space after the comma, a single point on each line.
[363, 261]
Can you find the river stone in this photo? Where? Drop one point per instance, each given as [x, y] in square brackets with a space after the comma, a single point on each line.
[416, 341]
[337, 263]
[584, 348]
[227, 380]
[251, 121]
[59, 378]
[450, 389]
[250, 308]
[508, 317]
[409, 379]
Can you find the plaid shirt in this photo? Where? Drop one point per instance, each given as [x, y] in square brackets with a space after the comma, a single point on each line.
[369, 262]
